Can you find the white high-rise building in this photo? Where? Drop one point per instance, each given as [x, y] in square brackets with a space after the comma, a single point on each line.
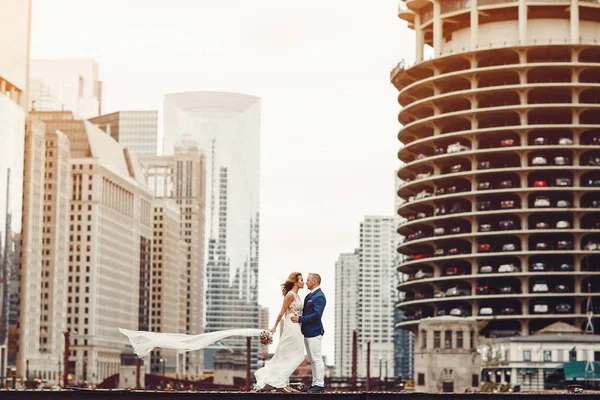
[109, 231]
[376, 294]
[14, 59]
[365, 297]
[346, 319]
[137, 130]
[227, 127]
[66, 85]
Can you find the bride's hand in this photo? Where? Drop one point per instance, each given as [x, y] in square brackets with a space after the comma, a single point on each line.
[272, 330]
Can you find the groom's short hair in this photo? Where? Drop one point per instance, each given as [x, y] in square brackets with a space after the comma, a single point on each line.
[315, 277]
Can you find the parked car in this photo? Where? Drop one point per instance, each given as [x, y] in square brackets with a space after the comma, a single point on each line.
[419, 256]
[451, 189]
[541, 201]
[539, 161]
[593, 182]
[507, 204]
[419, 296]
[592, 246]
[420, 156]
[484, 248]
[594, 161]
[560, 288]
[439, 150]
[564, 245]
[563, 182]
[440, 191]
[459, 312]
[423, 274]
[483, 289]
[542, 225]
[423, 194]
[563, 308]
[563, 224]
[439, 252]
[455, 291]
[538, 266]
[509, 247]
[540, 141]
[441, 313]
[485, 227]
[595, 225]
[456, 208]
[540, 308]
[507, 142]
[486, 311]
[439, 231]
[565, 141]
[484, 185]
[508, 289]
[563, 203]
[542, 246]
[540, 183]
[423, 175]
[439, 294]
[456, 168]
[454, 251]
[486, 269]
[484, 165]
[565, 267]
[507, 311]
[450, 271]
[508, 268]
[457, 147]
[506, 184]
[456, 230]
[560, 160]
[540, 287]
[506, 225]
[483, 205]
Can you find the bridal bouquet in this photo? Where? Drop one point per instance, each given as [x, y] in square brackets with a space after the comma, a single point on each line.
[265, 337]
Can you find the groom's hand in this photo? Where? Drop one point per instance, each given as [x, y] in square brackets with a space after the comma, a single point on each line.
[295, 319]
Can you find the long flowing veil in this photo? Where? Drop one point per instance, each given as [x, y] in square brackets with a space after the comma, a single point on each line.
[144, 342]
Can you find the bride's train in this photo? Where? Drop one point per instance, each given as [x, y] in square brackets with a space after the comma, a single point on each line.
[144, 342]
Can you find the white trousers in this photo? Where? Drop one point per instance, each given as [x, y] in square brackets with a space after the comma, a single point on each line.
[313, 351]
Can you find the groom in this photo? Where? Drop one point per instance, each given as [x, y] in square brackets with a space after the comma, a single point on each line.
[312, 329]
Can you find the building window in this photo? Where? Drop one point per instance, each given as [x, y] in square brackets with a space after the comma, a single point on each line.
[424, 339]
[448, 339]
[475, 380]
[597, 356]
[472, 340]
[421, 379]
[526, 355]
[547, 355]
[459, 340]
[437, 338]
[572, 355]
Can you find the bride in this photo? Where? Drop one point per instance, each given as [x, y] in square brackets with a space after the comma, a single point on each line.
[290, 350]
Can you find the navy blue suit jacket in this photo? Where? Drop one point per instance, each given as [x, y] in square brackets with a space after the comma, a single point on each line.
[314, 305]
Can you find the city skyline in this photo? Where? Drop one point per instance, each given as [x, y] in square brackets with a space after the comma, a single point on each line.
[296, 121]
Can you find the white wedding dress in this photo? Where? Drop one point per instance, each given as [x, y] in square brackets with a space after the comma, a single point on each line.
[289, 353]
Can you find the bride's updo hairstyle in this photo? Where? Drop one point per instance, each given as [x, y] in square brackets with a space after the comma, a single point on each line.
[289, 283]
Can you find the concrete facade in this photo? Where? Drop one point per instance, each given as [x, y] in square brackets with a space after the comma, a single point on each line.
[346, 321]
[181, 178]
[109, 217]
[43, 293]
[446, 357]
[14, 70]
[501, 135]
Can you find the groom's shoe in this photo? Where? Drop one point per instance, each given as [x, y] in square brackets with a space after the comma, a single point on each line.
[316, 389]
[306, 389]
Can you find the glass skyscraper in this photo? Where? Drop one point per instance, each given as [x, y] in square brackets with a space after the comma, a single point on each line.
[135, 130]
[227, 127]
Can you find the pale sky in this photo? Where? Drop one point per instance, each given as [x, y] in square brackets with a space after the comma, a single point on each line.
[329, 111]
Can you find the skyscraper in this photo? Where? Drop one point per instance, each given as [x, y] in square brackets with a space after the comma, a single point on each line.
[181, 178]
[346, 319]
[109, 227]
[365, 296]
[501, 134]
[227, 127]
[136, 130]
[69, 85]
[14, 60]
